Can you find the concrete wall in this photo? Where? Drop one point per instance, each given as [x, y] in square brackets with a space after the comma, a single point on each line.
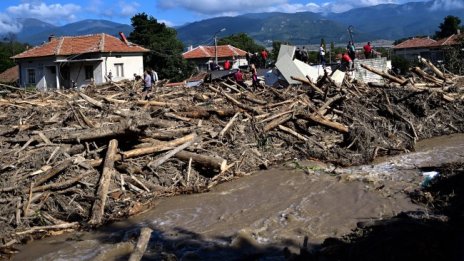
[366, 76]
[131, 64]
[39, 66]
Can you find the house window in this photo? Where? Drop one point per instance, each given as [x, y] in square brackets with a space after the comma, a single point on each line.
[119, 69]
[88, 72]
[31, 76]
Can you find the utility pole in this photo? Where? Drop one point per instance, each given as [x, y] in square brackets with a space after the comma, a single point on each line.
[215, 45]
[350, 31]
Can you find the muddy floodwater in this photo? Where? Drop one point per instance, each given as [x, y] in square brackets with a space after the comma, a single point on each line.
[277, 208]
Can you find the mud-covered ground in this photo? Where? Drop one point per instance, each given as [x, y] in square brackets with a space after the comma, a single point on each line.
[435, 234]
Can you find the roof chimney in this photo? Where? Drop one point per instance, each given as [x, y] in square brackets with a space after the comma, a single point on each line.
[51, 37]
[458, 32]
[123, 38]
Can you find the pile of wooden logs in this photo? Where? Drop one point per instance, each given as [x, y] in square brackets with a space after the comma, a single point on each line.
[81, 158]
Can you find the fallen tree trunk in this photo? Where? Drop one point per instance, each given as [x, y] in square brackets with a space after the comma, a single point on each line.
[437, 72]
[202, 160]
[325, 122]
[385, 75]
[157, 148]
[146, 150]
[309, 83]
[98, 208]
[276, 122]
[168, 155]
[142, 243]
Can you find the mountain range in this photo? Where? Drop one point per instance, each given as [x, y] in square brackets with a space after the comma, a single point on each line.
[385, 21]
[36, 31]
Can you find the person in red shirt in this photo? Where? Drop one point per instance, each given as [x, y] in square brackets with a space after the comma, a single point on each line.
[239, 78]
[264, 56]
[227, 65]
[368, 50]
[346, 61]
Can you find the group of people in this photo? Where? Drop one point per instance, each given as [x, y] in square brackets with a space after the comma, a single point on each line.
[258, 59]
[302, 54]
[350, 54]
[239, 77]
[150, 77]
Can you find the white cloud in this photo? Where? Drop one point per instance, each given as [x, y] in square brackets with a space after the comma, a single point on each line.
[42, 11]
[447, 4]
[218, 7]
[8, 24]
[166, 22]
[120, 9]
[221, 7]
[128, 9]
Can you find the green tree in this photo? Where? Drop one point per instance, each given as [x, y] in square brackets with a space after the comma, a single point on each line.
[166, 50]
[275, 50]
[449, 27]
[242, 41]
[9, 48]
[454, 57]
[401, 63]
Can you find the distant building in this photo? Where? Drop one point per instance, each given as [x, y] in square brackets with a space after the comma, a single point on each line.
[203, 55]
[425, 47]
[75, 61]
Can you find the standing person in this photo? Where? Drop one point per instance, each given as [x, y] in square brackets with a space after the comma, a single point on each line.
[298, 53]
[304, 55]
[351, 50]
[322, 55]
[154, 77]
[146, 84]
[264, 56]
[346, 61]
[253, 59]
[110, 76]
[368, 50]
[254, 76]
[227, 65]
[238, 76]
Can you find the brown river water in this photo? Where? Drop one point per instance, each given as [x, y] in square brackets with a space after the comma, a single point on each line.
[267, 210]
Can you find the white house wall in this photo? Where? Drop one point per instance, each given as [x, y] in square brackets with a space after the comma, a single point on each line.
[131, 64]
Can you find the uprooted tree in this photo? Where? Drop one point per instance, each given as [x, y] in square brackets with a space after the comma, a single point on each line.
[165, 49]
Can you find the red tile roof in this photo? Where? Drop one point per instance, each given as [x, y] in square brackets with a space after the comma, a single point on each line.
[69, 45]
[450, 40]
[427, 42]
[415, 43]
[10, 75]
[203, 51]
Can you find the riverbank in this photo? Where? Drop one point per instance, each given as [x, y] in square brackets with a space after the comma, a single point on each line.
[270, 213]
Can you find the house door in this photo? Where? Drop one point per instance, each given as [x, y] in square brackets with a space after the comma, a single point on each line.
[50, 77]
[65, 77]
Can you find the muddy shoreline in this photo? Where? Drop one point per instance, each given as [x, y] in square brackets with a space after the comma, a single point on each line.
[187, 227]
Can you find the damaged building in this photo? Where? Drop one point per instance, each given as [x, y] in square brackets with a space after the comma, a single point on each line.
[75, 61]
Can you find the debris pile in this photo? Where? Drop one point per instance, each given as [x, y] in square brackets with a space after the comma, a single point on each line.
[81, 158]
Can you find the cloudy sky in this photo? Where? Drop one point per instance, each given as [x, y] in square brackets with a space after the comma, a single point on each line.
[172, 12]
